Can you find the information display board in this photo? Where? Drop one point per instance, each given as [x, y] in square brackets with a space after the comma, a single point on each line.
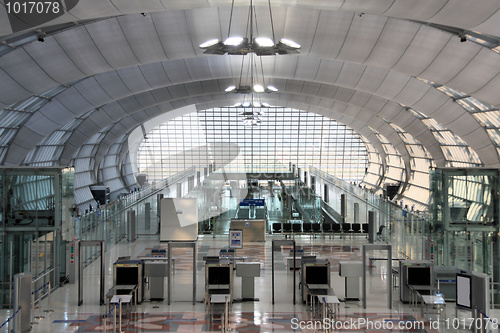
[236, 239]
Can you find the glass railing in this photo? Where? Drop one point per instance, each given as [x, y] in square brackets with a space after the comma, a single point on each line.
[406, 230]
[109, 222]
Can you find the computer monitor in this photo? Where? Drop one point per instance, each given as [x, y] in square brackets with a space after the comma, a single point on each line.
[219, 275]
[418, 275]
[127, 275]
[316, 274]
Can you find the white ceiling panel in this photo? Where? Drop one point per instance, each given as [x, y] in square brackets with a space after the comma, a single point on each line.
[63, 70]
[113, 85]
[307, 68]
[443, 70]
[362, 37]
[350, 74]
[392, 43]
[311, 88]
[72, 103]
[92, 91]
[198, 68]
[331, 31]
[453, 13]
[145, 99]
[13, 91]
[412, 92]
[177, 71]
[378, 6]
[424, 48]
[479, 71]
[15, 65]
[173, 30]
[80, 47]
[371, 79]
[490, 92]
[155, 74]
[392, 85]
[108, 36]
[407, 8]
[134, 79]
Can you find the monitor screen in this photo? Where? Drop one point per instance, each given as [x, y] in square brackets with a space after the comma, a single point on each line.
[316, 274]
[418, 275]
[219, 275]
[463, 290]
[127, 275]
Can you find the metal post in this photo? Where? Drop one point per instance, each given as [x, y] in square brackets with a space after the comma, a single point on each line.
[114, 319]
[103, 269]
[294, 274]
[363, 261]
[104, 322]
[80, 274]
[120, 319]
[272, 270]
[48, 301]
[170, 272]
[195, 253]
[11, 271]
[147, 216]
[33, 322]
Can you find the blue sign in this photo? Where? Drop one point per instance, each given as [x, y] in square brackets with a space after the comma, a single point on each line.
[252, 202]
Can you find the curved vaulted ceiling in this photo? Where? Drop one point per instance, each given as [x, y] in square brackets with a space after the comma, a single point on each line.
[366, 64]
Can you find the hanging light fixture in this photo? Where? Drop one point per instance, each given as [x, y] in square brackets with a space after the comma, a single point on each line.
[255, 83]
[253, 112]
[237, 45]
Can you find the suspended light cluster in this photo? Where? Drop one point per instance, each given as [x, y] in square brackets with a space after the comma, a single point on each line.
[237, 45]
[256, 88]
[251, 116]
[261, 46]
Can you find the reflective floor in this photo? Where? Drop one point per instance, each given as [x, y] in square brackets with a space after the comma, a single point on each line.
[246, 316]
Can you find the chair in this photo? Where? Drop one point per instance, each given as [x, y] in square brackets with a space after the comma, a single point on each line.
[316, 227]
[307, 227]
[297, 227]
[346, 227]
[364, 227]
[380, 231]
[287, 227]
[277, 227]
[356, 227]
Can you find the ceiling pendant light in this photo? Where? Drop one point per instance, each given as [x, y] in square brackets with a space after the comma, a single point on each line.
[261, 46]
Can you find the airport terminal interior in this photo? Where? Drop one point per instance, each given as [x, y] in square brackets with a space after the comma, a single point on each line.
[249, 165]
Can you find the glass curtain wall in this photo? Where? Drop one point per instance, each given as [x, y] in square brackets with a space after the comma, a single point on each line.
[219, 137]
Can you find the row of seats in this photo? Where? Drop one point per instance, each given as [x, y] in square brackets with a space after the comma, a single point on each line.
[307, 227]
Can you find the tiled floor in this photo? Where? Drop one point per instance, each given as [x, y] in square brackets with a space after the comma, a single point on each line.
[258, 316]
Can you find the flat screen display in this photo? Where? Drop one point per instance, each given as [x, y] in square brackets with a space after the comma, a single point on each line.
[418, 275]
[316, 274]
[219, 275]
[463, 290]
[127, 275]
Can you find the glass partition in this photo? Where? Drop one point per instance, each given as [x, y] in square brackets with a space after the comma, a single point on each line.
[464, 215]
[31, 237]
